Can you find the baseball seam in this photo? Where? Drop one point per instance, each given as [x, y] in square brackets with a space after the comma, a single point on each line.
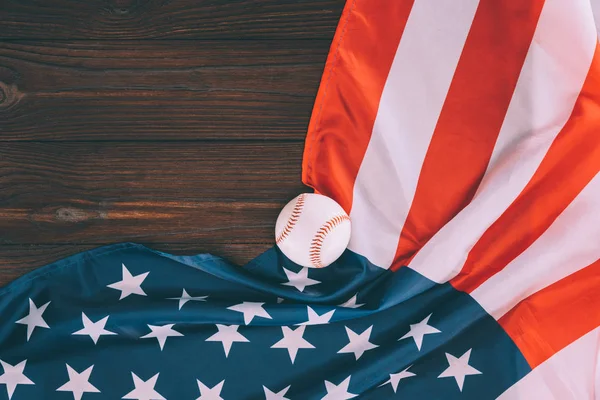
[292, 220]
[319, 238]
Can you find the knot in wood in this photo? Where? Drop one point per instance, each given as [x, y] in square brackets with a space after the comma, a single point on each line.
[9, 95]
[126, 7]
[70, 214]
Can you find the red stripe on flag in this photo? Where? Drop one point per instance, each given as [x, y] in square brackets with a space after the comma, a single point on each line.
[357, 67]
[570, 164]
[556, 316]
[471, 118]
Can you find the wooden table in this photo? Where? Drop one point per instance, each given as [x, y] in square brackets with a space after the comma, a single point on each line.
[176, 124]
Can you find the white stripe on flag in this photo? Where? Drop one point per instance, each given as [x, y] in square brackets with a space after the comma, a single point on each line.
[568, 375]
[551, 79]
[570, 244]
[596, 9]
[575, 43]
[410, 106]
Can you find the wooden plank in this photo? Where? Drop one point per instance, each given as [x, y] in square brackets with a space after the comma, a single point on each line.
[17, 260]
[197, 19]
[84, 192]
[175, 90]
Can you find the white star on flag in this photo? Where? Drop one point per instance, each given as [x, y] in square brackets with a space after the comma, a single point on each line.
[418, 331]
[459, 368]
[207, 393]
[396, 378]
[78, 383]
[316, 319]
[250, 310]
[227, 335]
[34, 318]
[358, 343]
[13, 376]
[161, 333]
[351, 303]
[293, 341]
[299, 280]
[93, 329]
[144, 390]
[185, 297]
[338, 392]
[129, 284]
[270, 395]
[280, 300]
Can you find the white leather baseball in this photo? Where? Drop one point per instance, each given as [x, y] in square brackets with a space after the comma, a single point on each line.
[312, 230]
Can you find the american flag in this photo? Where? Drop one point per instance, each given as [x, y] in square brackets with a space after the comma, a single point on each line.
[462, 138]
[127, 322]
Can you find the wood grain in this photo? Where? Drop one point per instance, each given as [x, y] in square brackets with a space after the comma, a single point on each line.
[149, 90]
[173, 192]
[175, 124]
[197, 19]
[17, 260]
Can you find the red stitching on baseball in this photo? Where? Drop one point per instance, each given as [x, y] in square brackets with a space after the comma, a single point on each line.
[289, 225]
[317, 242]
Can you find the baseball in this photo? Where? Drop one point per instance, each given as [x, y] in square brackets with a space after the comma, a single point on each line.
[312, 230]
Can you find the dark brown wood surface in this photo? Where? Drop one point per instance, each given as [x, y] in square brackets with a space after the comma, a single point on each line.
[175, 19]
[176, 124]
[157, 90]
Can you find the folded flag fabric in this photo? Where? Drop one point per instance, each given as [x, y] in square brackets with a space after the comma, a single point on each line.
[462, 138]
[127, 322]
